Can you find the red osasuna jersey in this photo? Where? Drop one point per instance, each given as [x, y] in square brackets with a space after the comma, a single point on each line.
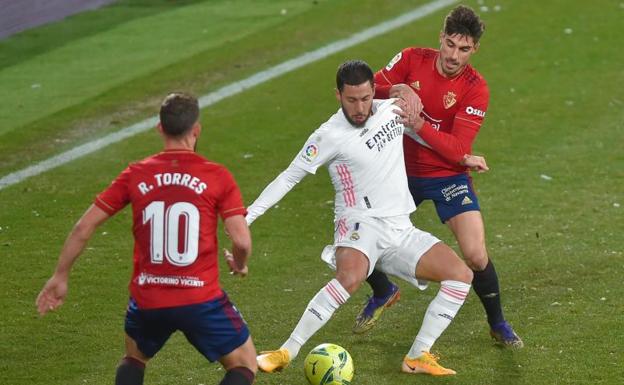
[176, 197]
[454, 109]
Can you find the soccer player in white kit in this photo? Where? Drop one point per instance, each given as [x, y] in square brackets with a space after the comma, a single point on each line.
[362, 146]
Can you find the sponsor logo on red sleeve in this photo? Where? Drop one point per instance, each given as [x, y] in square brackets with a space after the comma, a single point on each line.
[474, 111]
[394, 61]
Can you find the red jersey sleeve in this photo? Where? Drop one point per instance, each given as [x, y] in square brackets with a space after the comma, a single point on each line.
[116, 196]
[231, 200]
[394, 73]
[455, 144]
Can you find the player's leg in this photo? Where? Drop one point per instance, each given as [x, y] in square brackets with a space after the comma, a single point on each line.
[145, 336]
[380, 283]
[418, 257]
[385, 292]
[240, 365]
[131, 368]
[351, 270]
[439, 264]
[469, 231]
[218, 331]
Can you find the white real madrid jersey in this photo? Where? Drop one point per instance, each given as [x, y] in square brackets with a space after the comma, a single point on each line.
[365, 163]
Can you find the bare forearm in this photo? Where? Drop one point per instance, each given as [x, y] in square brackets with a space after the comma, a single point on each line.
[73, 247]
[241, 254]
[54, 291]
[240, 235]
[78, 238]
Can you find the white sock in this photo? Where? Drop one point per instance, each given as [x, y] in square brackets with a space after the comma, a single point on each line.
[439, 315]
[319, 311]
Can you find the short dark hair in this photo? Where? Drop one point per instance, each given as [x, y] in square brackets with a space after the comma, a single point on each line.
[353, 73]
[178, 113]
[464, 21]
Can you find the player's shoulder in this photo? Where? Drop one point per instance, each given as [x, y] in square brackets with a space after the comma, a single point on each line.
[420, 53]
[185, 159]
[212, 171]
[423, 51]
[473, 78]
[335, 126]
[141, 164]
[384, 105]
[209, 165]
[329, 135]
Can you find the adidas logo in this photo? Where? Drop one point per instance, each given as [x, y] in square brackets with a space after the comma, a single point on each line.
[466, 201]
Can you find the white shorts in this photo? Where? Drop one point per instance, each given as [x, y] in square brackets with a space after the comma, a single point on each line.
[392, 245]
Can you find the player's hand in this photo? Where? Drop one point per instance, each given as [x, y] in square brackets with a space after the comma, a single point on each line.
[475, 163]
[234, 269]
[410, 106]
[407, 94]
[52, 295]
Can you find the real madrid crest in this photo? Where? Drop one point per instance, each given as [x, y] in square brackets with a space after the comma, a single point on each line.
[355, 236]
[449, 99]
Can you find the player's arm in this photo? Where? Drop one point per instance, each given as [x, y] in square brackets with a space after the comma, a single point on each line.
[475, 163]
[454, 145]
[238, 231]
[320, 147]
[54, 291]
[275, 191]
[396, 72]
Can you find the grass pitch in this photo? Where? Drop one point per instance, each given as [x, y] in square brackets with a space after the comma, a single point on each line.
[552, 200]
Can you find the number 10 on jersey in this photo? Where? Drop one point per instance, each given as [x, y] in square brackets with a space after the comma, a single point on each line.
[166, 236]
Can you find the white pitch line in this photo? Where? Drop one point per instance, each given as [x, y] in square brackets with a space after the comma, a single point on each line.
[227, 91]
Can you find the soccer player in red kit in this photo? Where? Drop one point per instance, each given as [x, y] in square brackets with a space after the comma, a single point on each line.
[176, 197]
[454, 99]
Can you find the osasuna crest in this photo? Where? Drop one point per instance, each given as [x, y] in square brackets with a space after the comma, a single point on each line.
[416, 85]
[449, 99]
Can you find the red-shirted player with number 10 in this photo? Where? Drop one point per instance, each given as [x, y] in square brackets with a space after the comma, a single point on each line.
[454, 99]
[176, 197]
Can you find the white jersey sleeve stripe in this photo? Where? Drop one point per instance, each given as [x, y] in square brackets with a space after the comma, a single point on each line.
[347, 185]
[350, 189]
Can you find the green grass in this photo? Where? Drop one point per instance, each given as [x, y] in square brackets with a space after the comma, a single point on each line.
[85, 65]
[556, 110]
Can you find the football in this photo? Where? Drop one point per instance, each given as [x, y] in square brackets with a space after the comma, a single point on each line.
[328, 364]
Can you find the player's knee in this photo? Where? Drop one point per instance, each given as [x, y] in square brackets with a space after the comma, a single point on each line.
[476, 258]
[465, 275]
[459, 272]
[249, 362]
[350, 282]
[252, 365]
[243, 356]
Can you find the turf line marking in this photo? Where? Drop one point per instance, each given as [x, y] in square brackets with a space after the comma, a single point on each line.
[227, 91]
